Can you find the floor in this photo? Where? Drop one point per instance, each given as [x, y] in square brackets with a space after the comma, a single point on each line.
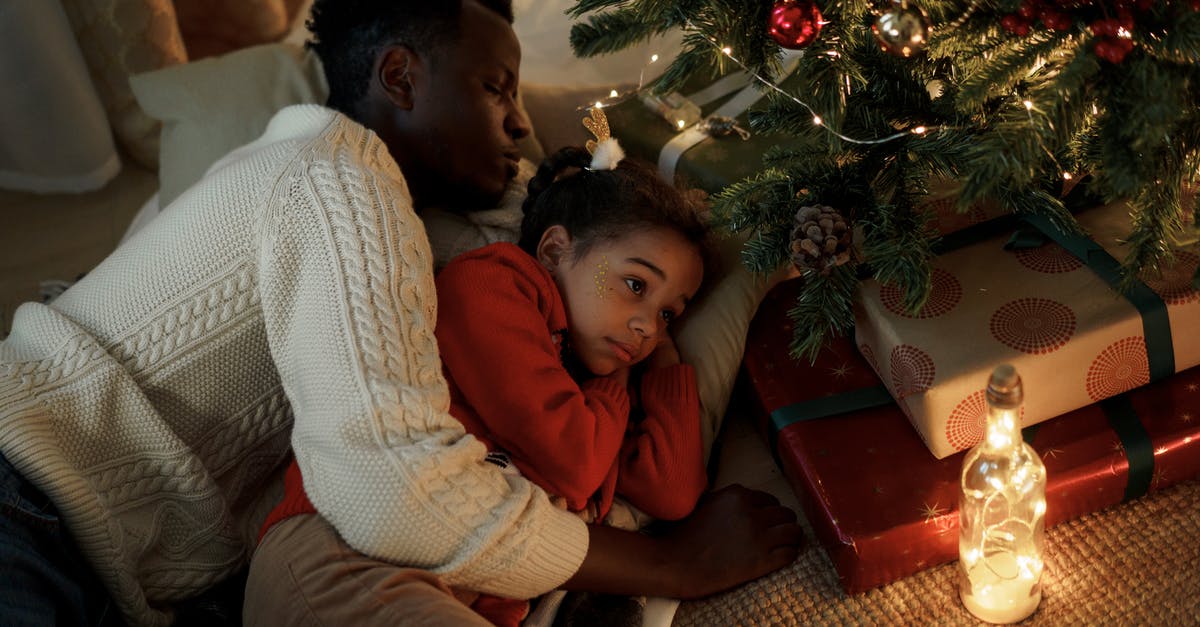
[57, 237]
[44, 239]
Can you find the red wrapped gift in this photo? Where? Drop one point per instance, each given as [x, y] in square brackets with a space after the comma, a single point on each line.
[883, 507]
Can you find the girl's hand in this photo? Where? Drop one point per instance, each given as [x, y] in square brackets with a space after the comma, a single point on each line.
[665, 354]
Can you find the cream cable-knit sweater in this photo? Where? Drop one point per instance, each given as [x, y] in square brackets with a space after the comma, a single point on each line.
[152, 401]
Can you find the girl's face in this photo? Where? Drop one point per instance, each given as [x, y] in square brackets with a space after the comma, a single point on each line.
[623, 293]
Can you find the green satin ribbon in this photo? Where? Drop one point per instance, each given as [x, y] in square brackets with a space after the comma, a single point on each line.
[1136, 442]
[1156, 324]
[826, 406]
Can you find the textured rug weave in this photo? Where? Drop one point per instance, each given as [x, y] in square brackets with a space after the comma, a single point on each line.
[1136, 563]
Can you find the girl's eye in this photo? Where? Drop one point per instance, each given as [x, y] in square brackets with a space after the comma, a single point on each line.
[491, 89]
[668, 315]
[636, 286]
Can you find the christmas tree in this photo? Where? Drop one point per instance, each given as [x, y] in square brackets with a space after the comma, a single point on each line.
[1017, 101]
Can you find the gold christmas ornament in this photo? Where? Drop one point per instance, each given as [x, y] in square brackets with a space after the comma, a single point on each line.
[902, 29]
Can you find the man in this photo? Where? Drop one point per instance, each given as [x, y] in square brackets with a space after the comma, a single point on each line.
[152, 403]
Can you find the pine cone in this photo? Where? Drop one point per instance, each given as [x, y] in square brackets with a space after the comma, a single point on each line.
[820, 240]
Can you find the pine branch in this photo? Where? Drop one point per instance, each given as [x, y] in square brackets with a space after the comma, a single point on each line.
[1010, 65]
[823, 310]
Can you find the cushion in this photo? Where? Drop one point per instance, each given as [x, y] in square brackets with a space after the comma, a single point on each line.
[214, 27]
[203, 118]
[120, 38]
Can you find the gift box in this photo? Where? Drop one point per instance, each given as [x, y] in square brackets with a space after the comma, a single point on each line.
[1041, 300]
[882, 507]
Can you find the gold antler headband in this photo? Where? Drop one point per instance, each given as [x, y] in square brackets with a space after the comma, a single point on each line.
[606, 152]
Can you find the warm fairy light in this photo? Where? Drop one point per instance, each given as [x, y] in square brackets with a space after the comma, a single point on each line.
[920, 130]
[599, 105]
[680, 124]
[1066, 176]
[654, 58]
[1002, 509]
[613, 94]
[727, 50]
[817, 120]
[1028, 105]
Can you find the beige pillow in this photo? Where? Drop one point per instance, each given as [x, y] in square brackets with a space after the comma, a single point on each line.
[214, 27]
[214, 105]
[120, 38]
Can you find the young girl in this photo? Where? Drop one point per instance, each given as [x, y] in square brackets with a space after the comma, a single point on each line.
[538, 342]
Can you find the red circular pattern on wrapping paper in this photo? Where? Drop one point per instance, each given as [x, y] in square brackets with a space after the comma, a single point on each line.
[968, 421]
[1120, 367]
[1175, 284]
[964, 429]
[912, 370]
[1033, 325]
[869, 355]
[943, 297]
[1048, 259]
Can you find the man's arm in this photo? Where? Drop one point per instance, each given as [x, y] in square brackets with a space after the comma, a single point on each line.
[735, 535]
[347, 293]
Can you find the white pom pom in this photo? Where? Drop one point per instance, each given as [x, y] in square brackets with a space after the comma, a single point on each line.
[607, 155]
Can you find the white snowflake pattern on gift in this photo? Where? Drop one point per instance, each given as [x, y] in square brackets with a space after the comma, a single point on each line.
[1033, 325]
[944, 295]
[1120, 367]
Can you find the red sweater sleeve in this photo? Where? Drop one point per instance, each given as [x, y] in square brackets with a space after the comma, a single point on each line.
[662, 460]
[497, 310]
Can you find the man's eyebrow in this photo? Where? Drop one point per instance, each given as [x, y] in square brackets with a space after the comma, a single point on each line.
[650, 266]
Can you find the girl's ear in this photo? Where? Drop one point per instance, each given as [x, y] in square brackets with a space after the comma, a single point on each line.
[397, 73]
[554, 249]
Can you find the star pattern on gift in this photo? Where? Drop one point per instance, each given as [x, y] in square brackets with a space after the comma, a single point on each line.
[1051, 453]
[879, 489]
[1192, 387]
[932, 512]
[1159, 478]
[1160, 450]
[841, 371]
[1117, 447]
[1185, 417]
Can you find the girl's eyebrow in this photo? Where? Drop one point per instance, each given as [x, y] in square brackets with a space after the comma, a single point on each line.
[649, 266]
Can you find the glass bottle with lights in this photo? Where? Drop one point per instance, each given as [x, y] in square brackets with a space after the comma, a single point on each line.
[1002, 511]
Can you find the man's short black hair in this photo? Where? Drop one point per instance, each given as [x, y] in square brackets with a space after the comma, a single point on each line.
[347, 35]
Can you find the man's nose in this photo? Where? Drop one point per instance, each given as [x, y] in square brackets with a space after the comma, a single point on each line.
[517, 123]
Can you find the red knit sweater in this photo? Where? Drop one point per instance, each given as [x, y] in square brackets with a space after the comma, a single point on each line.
[500, 320]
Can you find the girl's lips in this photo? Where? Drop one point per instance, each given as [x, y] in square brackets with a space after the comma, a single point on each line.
[623, 351]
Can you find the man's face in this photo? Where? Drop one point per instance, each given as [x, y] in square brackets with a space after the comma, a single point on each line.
[467, 116]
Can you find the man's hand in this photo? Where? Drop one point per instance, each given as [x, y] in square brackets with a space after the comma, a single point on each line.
[735, 535]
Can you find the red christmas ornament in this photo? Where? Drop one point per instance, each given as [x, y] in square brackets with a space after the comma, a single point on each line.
[795, 23]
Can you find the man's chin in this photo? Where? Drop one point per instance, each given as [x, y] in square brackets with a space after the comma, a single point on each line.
[468, 199]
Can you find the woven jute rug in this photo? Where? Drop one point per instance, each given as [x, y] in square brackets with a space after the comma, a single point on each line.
[1134, 564]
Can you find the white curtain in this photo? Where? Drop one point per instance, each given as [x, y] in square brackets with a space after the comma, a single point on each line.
[54, 135]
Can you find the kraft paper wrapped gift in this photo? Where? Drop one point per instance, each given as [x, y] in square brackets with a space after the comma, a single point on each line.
[883, 508]
[1048, 310]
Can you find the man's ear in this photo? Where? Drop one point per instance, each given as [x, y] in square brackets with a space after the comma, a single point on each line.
[554, 249]
[396, 75]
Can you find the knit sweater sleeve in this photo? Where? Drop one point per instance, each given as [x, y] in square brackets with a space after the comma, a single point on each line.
[499, 352]
[347, 292]
[662, 461]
